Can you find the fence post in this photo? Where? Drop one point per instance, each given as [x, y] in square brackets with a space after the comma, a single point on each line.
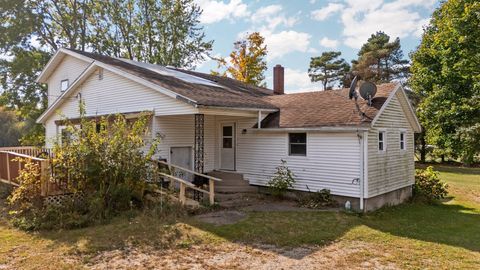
[211, 194]
[8, 169]
[44, 177]
[182, 194]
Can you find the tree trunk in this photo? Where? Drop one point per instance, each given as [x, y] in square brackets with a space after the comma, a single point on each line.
[423, 149]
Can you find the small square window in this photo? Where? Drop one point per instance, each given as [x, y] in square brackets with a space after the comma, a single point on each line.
[381, 141]
[402, 140]
[64, 85]
[297, 144]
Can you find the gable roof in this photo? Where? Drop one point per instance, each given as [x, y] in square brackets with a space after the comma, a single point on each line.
[330, 108]
[228, 93]
[301, 110]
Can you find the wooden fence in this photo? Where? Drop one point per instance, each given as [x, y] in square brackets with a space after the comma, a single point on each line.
[29, 151]
[11, 163]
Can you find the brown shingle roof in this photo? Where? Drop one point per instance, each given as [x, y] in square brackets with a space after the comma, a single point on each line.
[232, 94]
[324, 108]
[311, 109]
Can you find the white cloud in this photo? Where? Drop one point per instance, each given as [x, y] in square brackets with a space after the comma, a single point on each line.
[327, 11]
[400, 18]
[298, 81]
[272, 16]
[329, 43]
[215, 11]
[284, 42]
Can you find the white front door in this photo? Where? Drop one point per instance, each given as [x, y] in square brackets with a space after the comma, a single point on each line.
[227, 147]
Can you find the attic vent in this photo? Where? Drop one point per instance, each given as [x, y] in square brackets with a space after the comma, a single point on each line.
[100, 74]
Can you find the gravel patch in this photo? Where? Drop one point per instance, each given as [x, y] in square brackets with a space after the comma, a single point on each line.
[222, 217]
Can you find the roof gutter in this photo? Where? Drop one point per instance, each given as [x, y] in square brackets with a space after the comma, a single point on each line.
[236, 108]
[324, 129]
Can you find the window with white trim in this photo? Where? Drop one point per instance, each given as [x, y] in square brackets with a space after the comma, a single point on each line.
[402, 140]
[381, 141]
[64, 85]
[297, 144]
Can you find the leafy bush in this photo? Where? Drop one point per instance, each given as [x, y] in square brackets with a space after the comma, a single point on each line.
[282, 180]
[27, 196]
[428, 185]
[103, 160]
[319, 199]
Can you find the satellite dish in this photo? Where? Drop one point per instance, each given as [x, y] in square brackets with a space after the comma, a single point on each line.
[368, 91]
[352, 93]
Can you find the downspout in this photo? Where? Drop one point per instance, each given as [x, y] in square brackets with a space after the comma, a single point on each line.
[361, 136]
[365, 167]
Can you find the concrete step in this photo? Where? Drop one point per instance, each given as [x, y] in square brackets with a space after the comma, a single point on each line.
[225, 183]
[226, 175]
[240, 202]
[235, 189]
[222, 197]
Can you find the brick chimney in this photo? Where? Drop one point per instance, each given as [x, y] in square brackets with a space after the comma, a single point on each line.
[278, 80]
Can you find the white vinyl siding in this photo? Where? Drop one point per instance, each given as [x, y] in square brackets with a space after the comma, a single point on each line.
[393, 168]
[68, 69]
[179, 131]
[115, 94]
[332, 161]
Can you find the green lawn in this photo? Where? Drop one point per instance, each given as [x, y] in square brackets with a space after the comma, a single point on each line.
[413, 236]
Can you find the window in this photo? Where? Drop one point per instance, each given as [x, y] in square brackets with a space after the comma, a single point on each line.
[402, 140]
[66, 136]
[297, 143]
[64, 85]
[381, 141]
[228, 137]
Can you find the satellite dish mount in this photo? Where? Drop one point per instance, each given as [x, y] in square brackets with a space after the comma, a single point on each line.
[368, 91]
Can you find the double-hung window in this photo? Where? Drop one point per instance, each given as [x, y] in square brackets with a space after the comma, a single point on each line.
[297, 144]
[382, 146]
[402, 140]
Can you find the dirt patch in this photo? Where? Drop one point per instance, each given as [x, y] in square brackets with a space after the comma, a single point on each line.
[222, 217]
[281, 206]
[238, 256]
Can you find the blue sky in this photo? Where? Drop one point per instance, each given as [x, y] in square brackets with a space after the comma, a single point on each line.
[297, 30]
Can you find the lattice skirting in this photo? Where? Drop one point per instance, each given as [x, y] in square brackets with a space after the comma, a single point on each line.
[64, 199]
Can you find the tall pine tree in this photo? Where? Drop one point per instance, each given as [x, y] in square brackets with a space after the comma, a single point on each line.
[328, 69]
[380, 60]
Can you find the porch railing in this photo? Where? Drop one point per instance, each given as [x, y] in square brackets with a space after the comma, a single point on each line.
[28, 150]
[11, 163]
[184, 185]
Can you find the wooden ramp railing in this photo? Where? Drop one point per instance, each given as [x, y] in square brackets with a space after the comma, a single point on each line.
[184, 185]
[11, 164]
[28, 150]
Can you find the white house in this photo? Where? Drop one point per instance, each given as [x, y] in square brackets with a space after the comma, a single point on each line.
[361, 153]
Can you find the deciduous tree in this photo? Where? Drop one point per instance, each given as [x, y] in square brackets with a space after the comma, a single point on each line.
[446, 75]
[247, 62]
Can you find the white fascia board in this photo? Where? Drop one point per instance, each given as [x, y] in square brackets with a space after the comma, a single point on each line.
[55, 60]
[418, 127]
[87, 72]
[320, 129]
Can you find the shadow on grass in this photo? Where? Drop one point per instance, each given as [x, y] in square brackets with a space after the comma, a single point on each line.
[453, 225]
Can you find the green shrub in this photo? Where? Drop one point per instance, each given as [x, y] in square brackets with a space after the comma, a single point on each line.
[104, 160]
[319, 199]
[282, 180]
[428, 185]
